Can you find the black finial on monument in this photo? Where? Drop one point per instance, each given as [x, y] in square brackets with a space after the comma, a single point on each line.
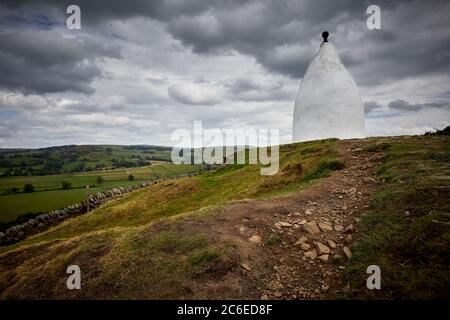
[325, 35]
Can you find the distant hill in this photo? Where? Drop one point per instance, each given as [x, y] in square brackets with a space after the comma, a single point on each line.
[78, 158]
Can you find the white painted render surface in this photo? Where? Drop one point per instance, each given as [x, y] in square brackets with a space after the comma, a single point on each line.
[328, 104]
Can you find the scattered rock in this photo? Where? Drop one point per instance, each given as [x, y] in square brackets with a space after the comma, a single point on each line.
[305, 246]
[246, 266]
[325, 226]
[255, 239]
[331, 243]
[308, 212]
[324, 257]
[312, 254]
[300, 241]
[347, 252]
[275, 285]
[302, 222]
[348, 239]
[338, 227]
[311, 227]
[322, 248]
[283, 224]
[349, 228]
[264, 297]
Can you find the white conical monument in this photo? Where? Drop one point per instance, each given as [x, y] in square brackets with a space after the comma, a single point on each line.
[328, 104]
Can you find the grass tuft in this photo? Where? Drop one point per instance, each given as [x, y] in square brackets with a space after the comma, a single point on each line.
[323, 168]
[205, 255]
[273, 240]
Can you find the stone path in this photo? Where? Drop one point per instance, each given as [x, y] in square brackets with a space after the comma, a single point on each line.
[296, 247]
[316, 239]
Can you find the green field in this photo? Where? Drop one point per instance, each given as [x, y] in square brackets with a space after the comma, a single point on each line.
[48, 194]
[78, 158]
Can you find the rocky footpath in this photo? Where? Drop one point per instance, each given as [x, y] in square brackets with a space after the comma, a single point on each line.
[308, 243]
[44, 221]
[296, 246]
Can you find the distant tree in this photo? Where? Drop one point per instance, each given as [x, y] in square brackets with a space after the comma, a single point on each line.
[99, 165]
[80, 167]
[437, 132]
[28, 188]
[99, 180]
[11, 190]
[130, 177]
[66, 185]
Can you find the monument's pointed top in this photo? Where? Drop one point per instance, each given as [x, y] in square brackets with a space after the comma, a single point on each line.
[328, 103]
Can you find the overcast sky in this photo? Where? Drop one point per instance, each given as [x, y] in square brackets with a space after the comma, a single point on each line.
[137, 70]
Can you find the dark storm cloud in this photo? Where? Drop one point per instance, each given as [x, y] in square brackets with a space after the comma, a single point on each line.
[370, 106]
[99, 11]
[402, 105]
[35, 61]
[283, 35]
[405, 106]
[280, 36]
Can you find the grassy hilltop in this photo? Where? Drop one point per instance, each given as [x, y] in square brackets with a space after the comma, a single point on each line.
[185, 238]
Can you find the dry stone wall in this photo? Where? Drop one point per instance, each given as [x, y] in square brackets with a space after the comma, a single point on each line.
[44, 221]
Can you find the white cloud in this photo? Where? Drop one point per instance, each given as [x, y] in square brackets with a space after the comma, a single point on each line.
[408, 123]
[98, 119]
[17, 101]
[195, 93]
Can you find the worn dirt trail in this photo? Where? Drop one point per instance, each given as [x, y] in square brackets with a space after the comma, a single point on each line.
[296, 246]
